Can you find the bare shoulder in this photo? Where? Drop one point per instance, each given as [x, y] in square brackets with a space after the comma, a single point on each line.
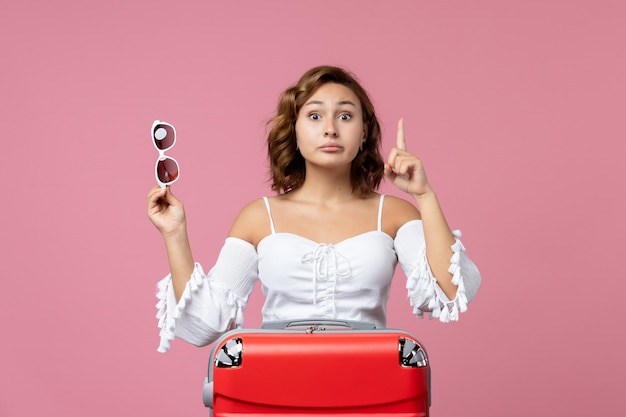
[396, 212]
[252, 223]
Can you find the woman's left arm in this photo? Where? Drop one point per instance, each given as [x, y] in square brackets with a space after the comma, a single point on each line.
[439, 240]
[406, 171]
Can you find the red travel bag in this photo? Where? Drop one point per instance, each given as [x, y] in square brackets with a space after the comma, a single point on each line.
[318, 368]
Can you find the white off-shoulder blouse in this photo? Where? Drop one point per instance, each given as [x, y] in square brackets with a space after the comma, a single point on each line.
[301, 278]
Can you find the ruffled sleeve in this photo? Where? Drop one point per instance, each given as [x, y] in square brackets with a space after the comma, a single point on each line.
[424, 293]
[212, 303]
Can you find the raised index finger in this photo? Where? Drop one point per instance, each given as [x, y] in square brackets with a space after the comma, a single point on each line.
[400, 142]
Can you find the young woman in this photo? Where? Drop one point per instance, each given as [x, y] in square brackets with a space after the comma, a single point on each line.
[326, 246]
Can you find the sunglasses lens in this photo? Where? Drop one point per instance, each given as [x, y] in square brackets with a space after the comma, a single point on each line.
[167, 170]
[163, 136]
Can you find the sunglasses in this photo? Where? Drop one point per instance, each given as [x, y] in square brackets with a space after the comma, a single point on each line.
[164, 138]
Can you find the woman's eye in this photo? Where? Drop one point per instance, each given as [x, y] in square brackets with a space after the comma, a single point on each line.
[314, 116]
[345, 116]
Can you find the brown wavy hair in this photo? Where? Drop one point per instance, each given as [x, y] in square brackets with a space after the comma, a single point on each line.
[287, 167]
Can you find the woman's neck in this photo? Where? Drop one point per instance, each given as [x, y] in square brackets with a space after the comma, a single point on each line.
[326, 185]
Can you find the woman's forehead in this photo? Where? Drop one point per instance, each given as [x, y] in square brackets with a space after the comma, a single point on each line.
[333, 94]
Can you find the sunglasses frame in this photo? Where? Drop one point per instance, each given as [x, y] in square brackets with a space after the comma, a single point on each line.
[162, 156]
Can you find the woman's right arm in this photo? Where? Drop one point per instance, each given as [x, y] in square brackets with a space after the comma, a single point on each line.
[193, 305]
[167, 213]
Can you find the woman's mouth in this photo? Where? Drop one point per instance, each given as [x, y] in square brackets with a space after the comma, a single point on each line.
[331, 147]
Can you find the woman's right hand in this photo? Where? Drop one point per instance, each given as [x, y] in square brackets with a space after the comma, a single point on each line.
[166, 211]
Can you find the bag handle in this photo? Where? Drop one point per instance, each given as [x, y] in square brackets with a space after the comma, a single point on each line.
[317, 324]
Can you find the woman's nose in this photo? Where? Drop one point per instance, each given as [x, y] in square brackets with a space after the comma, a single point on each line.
[330, 130]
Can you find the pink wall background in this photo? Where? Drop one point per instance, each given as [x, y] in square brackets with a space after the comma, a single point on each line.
[516, 108]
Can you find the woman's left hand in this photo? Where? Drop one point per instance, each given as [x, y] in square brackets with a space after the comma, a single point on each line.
[404, 169]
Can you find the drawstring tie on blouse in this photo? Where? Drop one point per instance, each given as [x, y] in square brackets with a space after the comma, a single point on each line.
[327, 262]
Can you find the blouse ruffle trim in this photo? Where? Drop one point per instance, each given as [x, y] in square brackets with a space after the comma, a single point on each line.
[168, 311]
[424, 292]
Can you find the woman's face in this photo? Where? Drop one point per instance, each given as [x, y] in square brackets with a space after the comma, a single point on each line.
[329, 127]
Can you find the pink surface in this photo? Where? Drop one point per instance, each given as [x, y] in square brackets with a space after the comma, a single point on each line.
[517, 109]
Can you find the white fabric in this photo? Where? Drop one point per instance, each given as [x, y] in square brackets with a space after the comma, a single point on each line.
[300, 278]
[210, 304]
